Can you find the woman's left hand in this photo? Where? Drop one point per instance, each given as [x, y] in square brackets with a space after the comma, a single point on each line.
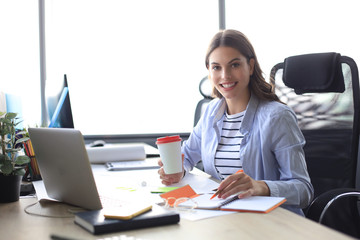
[243, 185]
[168, 179]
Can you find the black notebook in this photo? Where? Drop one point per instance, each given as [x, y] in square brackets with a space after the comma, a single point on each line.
[96, 223]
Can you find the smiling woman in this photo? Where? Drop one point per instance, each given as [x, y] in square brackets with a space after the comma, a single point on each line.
[246, 136]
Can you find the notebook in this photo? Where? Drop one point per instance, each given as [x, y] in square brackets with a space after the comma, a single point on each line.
[95, 222]
[259, 204]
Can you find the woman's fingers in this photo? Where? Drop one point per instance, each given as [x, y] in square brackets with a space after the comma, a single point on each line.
[236, 184]
[168, 179]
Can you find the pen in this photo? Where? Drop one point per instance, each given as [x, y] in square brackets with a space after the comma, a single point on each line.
[58, 237]
[218, 191]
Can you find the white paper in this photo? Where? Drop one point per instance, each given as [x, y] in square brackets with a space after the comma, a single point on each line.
[140, 182]
[116, 152]
[200, 184]
[149, 163]
[199, 214]
[253, 203]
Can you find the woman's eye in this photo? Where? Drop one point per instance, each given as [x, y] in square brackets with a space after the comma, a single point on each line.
[215, 67]
[235, 65]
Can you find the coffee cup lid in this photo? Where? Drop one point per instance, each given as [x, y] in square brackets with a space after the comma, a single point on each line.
[168, 139]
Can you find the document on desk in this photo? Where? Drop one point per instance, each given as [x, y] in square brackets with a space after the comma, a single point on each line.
[201, 183]
[116, 152]
[259, 204]
[149, 163]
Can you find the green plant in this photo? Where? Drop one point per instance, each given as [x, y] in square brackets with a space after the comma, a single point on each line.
[11, 162]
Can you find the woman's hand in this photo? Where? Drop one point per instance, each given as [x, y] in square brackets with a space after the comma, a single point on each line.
[243, 185]
[169, 179]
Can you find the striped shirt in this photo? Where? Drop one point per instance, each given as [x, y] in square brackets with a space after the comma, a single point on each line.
[227, 156]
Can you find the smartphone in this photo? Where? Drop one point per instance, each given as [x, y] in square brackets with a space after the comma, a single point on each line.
[126, 212]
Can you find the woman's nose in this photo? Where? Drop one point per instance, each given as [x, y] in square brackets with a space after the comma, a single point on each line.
[226, 73]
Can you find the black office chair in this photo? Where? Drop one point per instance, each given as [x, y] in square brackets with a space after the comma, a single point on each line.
[205, 91]
[323, 91]
[338, 209]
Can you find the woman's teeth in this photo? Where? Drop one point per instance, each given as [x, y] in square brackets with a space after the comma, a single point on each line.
[227, 85]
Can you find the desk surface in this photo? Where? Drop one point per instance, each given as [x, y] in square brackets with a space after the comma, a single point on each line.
[278, 224]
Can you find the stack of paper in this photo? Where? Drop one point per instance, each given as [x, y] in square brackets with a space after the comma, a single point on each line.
[116, 152]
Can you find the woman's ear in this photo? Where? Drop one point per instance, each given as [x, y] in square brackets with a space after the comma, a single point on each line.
[252, 66]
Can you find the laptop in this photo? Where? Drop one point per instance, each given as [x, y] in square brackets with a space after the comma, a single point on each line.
[65, 167]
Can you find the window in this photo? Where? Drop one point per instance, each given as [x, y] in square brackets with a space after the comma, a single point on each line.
[132, 66]
[281, 28]
[19, 57]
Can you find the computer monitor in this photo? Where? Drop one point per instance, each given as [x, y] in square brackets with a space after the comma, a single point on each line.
[59, 107]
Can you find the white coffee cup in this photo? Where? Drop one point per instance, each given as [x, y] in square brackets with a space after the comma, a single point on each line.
[170, 153]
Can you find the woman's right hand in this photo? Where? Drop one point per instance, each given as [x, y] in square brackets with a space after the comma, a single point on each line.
[168, 179]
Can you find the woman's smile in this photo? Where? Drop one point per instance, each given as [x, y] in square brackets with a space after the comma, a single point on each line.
[228, 85]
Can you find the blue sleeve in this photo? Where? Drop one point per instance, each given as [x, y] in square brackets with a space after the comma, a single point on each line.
[191, 148]
[287, 146]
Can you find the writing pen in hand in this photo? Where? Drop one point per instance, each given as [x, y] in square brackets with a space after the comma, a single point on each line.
[219, 191]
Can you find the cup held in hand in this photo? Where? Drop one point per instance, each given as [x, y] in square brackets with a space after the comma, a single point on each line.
[170, 153]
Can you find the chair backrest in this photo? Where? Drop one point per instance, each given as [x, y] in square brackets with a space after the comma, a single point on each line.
[323, 91]
[205, 91]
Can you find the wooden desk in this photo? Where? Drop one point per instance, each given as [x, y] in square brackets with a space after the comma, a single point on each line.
[278, 224]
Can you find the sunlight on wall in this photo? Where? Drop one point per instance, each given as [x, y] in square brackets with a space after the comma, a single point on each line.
[131, 68]
[19, 57]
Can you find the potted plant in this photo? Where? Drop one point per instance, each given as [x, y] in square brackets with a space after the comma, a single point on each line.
[11, 162]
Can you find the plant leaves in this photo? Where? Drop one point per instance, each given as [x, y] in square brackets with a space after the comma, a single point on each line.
[21, 133]
[24, 139]
[12, 145]
[17, 123]
[7, 168]
[7, 121]
[19, 172]
[10, 115]
[11, 150]
[4, 158]
[21, 160]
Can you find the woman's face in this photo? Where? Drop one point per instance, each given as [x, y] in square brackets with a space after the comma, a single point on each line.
[230, 72]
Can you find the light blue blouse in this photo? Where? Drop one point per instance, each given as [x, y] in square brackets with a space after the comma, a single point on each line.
[271, 150]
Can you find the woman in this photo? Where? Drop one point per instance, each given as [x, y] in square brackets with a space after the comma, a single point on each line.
[246, 136]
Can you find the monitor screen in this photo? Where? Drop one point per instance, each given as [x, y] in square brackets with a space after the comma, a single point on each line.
[59, 107]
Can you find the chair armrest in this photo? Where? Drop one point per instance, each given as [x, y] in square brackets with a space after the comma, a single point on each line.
[336, 198]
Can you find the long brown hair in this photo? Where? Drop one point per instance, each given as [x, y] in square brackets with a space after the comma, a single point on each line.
[237, 40]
